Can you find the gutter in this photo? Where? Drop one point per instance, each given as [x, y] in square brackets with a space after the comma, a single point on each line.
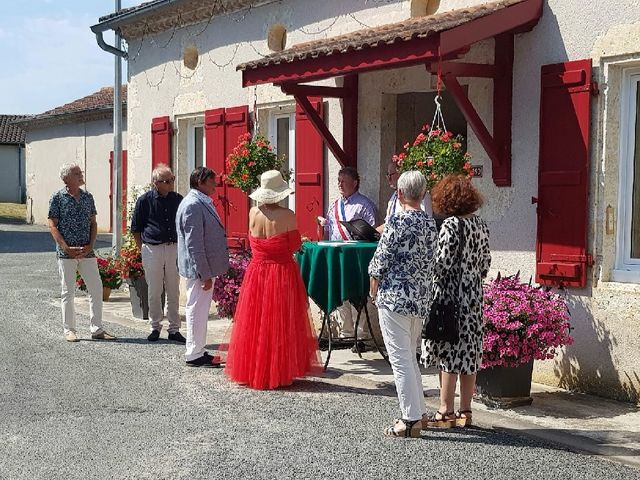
[115, 22]
[105, 46]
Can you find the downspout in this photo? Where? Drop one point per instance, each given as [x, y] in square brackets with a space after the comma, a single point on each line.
[116, 208]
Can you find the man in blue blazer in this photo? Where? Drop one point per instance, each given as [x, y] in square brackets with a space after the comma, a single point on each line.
[202, 256]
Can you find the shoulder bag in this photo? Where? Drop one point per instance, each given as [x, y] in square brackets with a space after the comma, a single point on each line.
[442, 325]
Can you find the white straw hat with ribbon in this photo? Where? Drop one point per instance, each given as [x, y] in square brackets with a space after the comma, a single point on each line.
[272, 189]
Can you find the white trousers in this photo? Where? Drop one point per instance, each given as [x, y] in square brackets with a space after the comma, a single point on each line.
[197, 313]
[88, 269]
[401, 333]
[345, 316]
[160, 264]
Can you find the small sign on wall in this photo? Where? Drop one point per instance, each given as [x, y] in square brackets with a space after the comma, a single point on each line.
[477, 170]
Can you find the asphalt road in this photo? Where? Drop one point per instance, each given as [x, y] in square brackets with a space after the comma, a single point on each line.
[131, 409]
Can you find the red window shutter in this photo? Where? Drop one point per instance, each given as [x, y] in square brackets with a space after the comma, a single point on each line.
[237, 202]
[309, 174]
[215, 156]
[160, 141]
[563, 175]
[124, 191]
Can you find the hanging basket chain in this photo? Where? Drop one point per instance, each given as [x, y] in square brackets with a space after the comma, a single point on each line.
[438, 119]
[256, 126]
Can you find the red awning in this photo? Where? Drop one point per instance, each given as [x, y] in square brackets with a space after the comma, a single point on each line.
[413, 41]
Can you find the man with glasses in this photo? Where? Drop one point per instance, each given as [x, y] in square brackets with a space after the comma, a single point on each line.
[394, 205]
[153, 225]
[202, 256]
[72, 223]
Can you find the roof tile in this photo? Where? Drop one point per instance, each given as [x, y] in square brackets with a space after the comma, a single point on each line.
[10, 133]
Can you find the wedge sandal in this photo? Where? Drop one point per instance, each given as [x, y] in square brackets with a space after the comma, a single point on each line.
[412, 429]
[439, 420]
[464, 418]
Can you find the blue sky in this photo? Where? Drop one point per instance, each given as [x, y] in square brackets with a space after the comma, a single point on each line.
[49, 55]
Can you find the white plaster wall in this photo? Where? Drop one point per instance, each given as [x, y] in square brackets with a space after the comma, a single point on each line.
[604, 357]
[87, 144]
[10, 182]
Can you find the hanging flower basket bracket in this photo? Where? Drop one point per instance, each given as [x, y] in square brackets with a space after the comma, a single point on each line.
[348, 93]
[498, 144]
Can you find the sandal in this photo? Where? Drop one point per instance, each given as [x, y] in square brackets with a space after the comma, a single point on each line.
[412, 429]
[464, 418]
[439, 420]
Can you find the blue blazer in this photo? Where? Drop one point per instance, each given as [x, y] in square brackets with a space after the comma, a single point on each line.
[202, 242]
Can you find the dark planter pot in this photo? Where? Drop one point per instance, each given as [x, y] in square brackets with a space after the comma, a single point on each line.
[505, 387]
[138, 294]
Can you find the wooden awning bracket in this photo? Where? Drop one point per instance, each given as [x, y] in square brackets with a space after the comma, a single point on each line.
[498, 145]
[348, 93]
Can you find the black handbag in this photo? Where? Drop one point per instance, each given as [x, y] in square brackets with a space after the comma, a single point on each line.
[442, 325]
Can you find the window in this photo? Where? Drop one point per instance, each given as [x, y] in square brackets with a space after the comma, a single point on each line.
[628, 225]
[282, 137]
[196, 144]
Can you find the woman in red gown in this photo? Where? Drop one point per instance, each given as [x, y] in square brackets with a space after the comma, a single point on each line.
[272, 341]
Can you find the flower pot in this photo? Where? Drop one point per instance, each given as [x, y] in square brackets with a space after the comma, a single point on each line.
[106, 291]
[138, 295]
[505, 387]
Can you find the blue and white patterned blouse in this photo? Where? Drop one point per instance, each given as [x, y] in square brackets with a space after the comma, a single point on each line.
[403, 263]
[74, 218]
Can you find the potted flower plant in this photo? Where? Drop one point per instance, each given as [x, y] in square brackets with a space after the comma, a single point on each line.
[249, 159]
[109, 274]
[435, 153]
[226, 288]
[522, 323]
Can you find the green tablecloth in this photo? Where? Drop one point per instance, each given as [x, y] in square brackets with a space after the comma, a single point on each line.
[334, 272]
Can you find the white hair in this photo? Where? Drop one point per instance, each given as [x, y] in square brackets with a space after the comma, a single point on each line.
[65, 170]
[160, 168]
[413, 185]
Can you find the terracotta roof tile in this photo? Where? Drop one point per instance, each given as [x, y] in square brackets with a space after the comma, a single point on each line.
[418, 27]
[99, 101]
[9, 132]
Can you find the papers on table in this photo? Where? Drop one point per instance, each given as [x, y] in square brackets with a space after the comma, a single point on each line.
[337, 244]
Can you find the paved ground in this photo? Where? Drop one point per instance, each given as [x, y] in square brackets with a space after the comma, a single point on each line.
[132, 410]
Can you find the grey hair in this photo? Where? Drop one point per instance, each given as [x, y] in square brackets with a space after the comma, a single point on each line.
[155, 174]
[413, 185]
[65, 170]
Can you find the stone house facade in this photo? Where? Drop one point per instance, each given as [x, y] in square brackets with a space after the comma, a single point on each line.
[78, 132]
[545, 91]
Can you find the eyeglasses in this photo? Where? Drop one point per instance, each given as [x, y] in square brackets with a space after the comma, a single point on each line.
[167, 181]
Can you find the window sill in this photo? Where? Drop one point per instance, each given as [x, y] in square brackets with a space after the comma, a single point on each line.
[624, 277]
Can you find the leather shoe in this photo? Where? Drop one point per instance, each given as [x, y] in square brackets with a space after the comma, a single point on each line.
[206, 361]
[177, 337]
[154, 336]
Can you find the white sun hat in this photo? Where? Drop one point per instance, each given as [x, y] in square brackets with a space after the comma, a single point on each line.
[272, 189]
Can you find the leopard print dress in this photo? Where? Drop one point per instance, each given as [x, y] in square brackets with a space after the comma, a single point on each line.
[465, 356]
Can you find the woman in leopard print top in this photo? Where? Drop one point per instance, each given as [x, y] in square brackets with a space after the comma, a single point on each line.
[458, 199]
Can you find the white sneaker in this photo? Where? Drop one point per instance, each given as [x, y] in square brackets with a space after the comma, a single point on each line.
[71, 336]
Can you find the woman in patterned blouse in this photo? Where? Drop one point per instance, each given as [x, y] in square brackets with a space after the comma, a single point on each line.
[400, 286]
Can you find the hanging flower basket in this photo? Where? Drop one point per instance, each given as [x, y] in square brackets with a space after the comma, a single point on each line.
[435, 153]
[250, 159]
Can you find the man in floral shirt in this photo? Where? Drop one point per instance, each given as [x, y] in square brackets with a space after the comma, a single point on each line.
[72, 222]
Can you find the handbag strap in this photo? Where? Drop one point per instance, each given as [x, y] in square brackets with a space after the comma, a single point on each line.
[459, 256]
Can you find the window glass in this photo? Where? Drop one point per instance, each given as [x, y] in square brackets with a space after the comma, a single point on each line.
[198, 142]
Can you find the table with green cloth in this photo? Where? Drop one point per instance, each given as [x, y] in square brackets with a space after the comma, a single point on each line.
[335, 272]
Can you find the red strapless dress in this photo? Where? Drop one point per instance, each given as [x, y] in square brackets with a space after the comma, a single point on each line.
[272, 341]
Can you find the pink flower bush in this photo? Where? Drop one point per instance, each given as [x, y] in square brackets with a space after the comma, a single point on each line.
[226, 288]
[522, 323]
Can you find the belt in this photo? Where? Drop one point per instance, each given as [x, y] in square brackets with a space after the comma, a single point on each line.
[164, 243]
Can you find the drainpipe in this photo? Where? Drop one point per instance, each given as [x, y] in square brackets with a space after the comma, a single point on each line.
[116, 207]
